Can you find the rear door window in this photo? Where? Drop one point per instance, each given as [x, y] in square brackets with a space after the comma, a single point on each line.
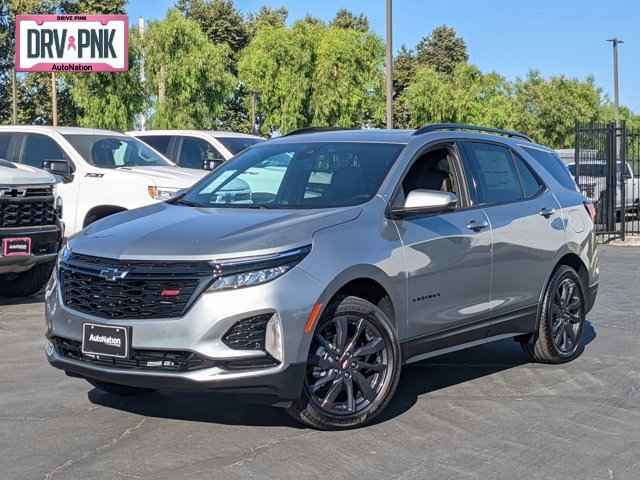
[158, 142]
[39, 148]
[5, 142]
[531, 183]
[491, 174]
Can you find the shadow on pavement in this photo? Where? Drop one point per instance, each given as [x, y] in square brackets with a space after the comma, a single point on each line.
[417, 379]
[35, 298]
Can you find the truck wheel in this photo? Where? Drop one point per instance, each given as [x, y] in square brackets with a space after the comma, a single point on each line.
[120, 390]
[561, 319]
[353, 367]
[26, 283]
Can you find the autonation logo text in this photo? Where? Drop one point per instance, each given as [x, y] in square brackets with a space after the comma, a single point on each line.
[105, 340]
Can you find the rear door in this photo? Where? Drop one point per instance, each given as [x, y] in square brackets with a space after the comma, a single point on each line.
[526, 221]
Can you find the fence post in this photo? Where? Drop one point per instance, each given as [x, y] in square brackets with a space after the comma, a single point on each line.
[576, 154]
[623, 178]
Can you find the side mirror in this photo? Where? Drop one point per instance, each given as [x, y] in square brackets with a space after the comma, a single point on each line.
[60, 168]
[421, 202]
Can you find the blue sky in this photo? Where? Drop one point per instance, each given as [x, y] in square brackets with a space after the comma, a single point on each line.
[507, 36]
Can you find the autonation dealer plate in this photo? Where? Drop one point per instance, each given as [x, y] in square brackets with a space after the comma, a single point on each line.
[105, 340]
[72, 43]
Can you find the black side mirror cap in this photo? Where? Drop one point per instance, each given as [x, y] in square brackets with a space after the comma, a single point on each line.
[60, 168]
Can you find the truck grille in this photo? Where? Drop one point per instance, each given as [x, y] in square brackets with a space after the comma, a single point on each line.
[147, 289]
[27, 207]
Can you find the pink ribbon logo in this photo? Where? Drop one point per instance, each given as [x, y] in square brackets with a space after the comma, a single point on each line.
[72, 43]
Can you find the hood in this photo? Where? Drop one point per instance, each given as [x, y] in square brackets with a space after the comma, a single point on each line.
[168, 176]
[15, 174]
[172, 232]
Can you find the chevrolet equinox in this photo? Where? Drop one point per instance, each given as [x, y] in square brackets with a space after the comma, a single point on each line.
[354, 253]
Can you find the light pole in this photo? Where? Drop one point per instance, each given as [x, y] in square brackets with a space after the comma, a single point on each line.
[616, 87]
[389, 69]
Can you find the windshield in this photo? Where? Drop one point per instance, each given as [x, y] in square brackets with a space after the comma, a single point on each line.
[297, 175]
[110, 151]
[237, 144]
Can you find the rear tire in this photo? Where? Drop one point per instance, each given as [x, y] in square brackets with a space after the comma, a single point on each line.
[120, 390]
[353, 367]
[561, 319]
[26, 283]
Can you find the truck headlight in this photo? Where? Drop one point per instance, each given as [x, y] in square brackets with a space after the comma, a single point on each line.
[162, 193]
[232, 274]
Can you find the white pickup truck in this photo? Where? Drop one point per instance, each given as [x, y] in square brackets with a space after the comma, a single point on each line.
[30, 228]
[101, 172]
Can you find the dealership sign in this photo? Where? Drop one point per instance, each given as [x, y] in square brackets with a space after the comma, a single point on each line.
[72, 43]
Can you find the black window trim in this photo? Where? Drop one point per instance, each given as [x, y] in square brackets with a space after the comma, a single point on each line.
[464, 197]
[512, 150]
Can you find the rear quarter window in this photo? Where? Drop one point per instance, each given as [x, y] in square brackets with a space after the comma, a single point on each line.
[552, 164]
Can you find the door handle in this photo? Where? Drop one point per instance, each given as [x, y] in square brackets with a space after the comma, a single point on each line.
[477, 226]
[547, 212]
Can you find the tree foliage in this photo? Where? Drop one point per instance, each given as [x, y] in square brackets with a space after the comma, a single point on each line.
[347, 20]
[220, 20]
[267, 17]
[442, 50]
[189, 76]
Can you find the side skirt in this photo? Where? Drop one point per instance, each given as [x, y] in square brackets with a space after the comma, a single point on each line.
[520, 322]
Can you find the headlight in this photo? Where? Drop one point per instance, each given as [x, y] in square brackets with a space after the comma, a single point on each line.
[63, 255]
[162, 193]
[233, 274]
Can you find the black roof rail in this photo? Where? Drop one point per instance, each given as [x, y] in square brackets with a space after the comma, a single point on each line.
[461, 126]
[300, 131]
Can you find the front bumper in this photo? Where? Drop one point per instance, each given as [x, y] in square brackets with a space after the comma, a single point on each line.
[45, 243]
[200, 331]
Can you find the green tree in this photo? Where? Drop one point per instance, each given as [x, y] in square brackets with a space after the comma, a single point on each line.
[110, 7]
[442, 50]
[267, 16]
[404, 70]
[347, 20]
[189, 76]
[278, 66]
[219, 19]
[547, 109]
[348, 80]
[466, 96]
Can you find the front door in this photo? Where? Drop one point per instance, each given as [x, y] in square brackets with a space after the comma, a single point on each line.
[447, 256]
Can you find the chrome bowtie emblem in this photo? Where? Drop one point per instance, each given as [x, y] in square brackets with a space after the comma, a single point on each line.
[113, 274]
[13, 192]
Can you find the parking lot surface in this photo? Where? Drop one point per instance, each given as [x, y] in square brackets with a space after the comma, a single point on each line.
[484, 413]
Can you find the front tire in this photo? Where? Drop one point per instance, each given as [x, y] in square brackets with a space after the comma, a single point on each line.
[26, 283]
[353, 367]
[561, 319]
[120, 390]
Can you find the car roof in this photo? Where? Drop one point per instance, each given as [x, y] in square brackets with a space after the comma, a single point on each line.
[214, 133]
[364, 135]
[60, 130]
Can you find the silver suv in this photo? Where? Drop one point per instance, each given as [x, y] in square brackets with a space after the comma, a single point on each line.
[357, 252]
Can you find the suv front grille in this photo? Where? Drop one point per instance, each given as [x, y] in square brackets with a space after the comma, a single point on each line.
[247, 334]
[28, 207]
[147, 290]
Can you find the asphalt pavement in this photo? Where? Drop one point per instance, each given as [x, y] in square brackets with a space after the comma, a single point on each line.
[484, 413]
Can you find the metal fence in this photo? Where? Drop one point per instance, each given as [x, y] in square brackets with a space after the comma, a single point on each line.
[606, 169]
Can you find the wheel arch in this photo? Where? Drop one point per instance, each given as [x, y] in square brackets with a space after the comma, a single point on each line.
[101, 211]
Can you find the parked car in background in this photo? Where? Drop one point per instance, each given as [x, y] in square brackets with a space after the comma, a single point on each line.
[100, 172]
[357, 252]
[200, 149]
[593, 183]
[30, 228]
